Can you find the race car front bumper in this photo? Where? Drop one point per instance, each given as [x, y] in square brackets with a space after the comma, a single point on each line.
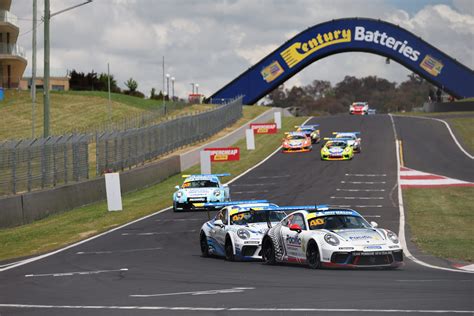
[296, 149]
[366, 259]
[197, 205]
[334, 157]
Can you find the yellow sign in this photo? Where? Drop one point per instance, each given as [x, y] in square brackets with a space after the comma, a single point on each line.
[299, 51]
[272, 71]
[221, 157]
[431, 65]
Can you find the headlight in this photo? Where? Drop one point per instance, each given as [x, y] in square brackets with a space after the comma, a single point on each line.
[325, 150]
[179, 194]
[217, 193]
[243, 234]
[392, 236]
[331, 239]
[347, 149]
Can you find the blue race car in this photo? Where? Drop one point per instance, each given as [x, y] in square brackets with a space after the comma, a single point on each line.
[198, 189]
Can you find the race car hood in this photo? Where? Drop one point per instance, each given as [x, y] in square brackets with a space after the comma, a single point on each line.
[198, 192]
[361, 237]
[295, 142]
[336, 150]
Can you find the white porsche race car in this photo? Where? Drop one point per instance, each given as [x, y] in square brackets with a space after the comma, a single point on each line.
[198, 189]
[353, 139]
[237, 230]
[321, 237]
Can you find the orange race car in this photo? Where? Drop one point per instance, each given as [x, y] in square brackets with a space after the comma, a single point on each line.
[296, 142]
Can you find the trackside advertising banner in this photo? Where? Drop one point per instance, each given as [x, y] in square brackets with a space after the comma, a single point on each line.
[264, 128]
[224, 154]
[346, 35]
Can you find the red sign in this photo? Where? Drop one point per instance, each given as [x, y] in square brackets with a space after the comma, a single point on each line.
[224, 154]
[264, 128]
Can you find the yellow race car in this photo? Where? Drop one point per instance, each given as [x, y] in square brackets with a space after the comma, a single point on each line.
[337, 149]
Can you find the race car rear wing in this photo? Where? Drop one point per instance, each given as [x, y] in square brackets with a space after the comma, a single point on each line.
[322, 207]
[336, 139]
[223, 204]
[308, 125]
[206, 175]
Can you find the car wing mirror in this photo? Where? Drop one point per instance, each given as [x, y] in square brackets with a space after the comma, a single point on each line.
[218, 222]
[374, 224]
[295, 228]
[177, 187]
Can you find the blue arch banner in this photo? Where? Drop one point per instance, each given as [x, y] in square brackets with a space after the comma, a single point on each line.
[349, 35]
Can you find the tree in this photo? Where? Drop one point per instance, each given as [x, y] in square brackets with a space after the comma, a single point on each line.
[152, 93]
[132, 85]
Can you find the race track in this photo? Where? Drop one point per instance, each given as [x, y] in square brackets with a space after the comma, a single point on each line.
[163, 264]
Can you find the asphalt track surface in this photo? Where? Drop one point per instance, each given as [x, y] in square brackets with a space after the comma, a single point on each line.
[162, 256]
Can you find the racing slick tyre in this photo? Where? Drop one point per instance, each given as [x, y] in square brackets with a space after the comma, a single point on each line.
[268, 252]
[229, 250]
[204, 245]
[312, 256]
[174, 207]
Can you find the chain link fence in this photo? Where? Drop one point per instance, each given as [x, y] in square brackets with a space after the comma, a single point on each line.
[124, 149]
[26, 165]
[39, 163]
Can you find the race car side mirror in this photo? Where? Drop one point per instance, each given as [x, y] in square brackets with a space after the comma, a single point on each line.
[177, 187]
[374, 224]
[225, 185]
[295, 228]
[218, 222]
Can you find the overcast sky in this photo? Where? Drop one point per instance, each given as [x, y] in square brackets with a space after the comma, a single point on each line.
[210, 42]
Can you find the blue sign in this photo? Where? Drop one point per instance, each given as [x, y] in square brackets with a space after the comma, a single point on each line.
[345, 35]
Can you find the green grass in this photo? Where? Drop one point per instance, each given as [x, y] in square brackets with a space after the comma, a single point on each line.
[62, 229]
[464, 127]
[442, 221]
[76, 111]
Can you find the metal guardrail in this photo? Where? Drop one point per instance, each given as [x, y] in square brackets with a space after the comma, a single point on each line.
[26, 165]
[119, 150]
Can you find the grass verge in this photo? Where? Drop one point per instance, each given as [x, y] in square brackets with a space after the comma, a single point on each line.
[59, 230]
[464, 127]
[441, 221]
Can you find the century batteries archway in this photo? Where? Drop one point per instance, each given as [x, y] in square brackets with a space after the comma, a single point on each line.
[350, 35]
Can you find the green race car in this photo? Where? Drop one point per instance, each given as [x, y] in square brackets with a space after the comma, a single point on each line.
[337, 149]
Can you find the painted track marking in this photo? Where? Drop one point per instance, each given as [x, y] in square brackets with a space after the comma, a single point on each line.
[357, 197]
[61, 274]
[106, 252]
[205, 292]
[240, 309]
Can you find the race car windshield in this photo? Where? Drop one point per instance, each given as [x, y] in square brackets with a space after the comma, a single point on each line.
[249, 217]
[346, 136]
[200, 184]
[296, 137]
[335, 222]
[336, 144]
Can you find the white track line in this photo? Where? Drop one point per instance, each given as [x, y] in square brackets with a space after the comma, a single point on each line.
[205, 292]
[447, 126]
[32, 259]
[357, 197]
[61, 274]
[401, 229]
[369, 206]
[241, 309]
[106, 252]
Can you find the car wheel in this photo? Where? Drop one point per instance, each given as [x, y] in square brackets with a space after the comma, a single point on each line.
[204, 245]
[312, 255]
[268, 252]
[229, 250]
[174, 207]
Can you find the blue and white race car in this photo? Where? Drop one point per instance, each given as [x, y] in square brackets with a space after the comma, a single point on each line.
[310, 131]
[198, 189]
[236, 232]
[319, 236]
[353, 139]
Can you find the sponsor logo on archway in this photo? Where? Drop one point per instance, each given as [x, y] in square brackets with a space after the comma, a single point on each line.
[431, 65]
[300, 50]
[272, 71]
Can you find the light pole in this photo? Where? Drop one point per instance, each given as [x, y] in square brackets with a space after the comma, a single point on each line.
[47, 16]
[197, 88]
[172, 88]
[168, 86]
[192, 84]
